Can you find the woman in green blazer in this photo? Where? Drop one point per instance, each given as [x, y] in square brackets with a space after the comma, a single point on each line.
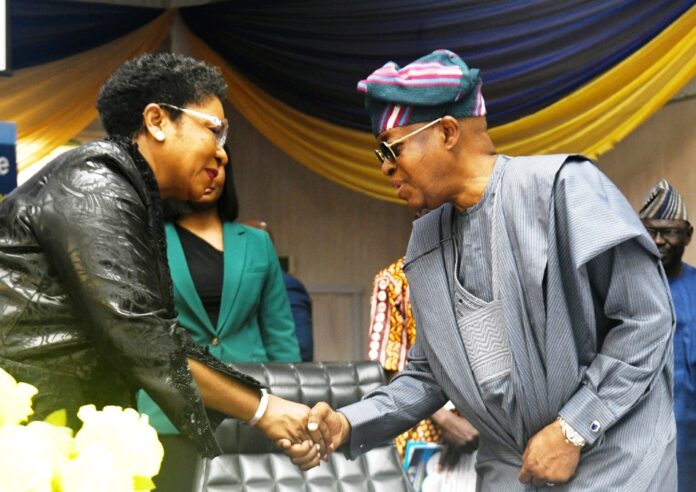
[240, 311]
[228, 292]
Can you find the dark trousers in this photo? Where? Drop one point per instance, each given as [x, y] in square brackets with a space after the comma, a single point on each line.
[178, 466]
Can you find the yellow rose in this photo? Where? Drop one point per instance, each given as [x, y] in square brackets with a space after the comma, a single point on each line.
[126, 433]
[15, 400]
[31, 455]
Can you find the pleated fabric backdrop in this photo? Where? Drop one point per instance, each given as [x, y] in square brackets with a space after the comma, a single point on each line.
[571, 76]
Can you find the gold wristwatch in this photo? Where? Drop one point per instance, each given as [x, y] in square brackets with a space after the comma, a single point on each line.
[570, 434]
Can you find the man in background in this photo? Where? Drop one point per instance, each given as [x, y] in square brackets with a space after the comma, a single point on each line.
[664, 216]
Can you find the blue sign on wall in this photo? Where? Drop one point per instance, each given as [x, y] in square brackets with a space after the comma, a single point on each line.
[8, 157]
[4, 38]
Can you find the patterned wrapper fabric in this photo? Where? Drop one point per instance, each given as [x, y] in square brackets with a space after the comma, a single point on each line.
[392, 333]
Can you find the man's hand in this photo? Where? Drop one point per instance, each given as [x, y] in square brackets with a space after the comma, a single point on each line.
[456, 430]
[327, 425]
[328, 430]
[549, 458]
[285, 420]
[459, 435]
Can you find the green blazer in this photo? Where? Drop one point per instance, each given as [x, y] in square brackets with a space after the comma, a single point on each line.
[255, 323]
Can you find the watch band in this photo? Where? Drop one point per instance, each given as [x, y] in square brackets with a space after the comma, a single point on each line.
[261, 409]
[570, 434]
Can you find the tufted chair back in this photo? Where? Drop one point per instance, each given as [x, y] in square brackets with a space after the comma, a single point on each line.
[251, 463]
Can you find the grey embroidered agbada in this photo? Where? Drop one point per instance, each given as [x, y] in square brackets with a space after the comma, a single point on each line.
[564, 310]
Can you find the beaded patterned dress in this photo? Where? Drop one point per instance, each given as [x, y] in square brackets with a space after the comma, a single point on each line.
[392, 333]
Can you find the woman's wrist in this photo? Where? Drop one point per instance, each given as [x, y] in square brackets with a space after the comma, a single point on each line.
[261, 409]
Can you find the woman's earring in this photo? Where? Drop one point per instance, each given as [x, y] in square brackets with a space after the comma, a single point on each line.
[159, 136]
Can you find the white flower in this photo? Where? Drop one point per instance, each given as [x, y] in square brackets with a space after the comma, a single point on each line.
[31, 455]
[96, 468]
[127, 434]
[15, 400]
[115, 451]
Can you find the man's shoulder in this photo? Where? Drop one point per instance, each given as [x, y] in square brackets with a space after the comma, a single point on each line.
[293, 283]
[689, 270]
[529, 181]
[564, 174]
[542, 161]
[521, 169]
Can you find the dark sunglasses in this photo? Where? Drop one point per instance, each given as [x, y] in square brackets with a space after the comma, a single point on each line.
[385, 150]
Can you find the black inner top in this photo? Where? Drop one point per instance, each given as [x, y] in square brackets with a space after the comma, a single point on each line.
[207, 270]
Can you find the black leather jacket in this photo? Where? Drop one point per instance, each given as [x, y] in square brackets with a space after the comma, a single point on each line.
[86, 309]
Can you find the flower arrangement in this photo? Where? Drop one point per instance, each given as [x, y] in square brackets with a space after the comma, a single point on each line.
[116, 450]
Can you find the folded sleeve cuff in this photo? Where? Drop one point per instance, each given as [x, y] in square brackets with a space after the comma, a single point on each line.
[361, 439]
[588, 415]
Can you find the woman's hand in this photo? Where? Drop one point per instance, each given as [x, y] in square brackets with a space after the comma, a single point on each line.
[328, 430]
[285, 419]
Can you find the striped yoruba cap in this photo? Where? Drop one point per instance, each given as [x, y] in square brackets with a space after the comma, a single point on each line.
[663, 202]
[438, 84]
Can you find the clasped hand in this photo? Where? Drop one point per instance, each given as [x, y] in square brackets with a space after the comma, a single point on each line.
[310, 436]
[326, 430]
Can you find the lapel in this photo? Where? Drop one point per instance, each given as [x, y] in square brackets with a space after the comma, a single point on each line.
[183, 282]
[234, 253]
[429, 268]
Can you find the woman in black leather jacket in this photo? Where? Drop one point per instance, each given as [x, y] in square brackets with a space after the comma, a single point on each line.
[86, 311]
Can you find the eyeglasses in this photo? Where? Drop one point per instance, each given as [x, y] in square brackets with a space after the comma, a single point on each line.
[219, 128]
[665, 233]
[386, 150]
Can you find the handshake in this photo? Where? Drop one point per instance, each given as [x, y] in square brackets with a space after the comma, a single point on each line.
[307, 436]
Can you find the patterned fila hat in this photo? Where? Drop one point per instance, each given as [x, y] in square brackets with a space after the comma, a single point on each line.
[663, 202]
[438, 84]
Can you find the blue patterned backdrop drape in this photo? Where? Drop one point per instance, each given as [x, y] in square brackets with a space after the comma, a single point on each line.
[559, 75]
[311, 53]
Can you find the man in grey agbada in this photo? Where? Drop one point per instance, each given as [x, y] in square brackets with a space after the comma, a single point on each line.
[542, 308]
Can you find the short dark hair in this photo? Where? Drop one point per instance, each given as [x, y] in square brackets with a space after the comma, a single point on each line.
[152, 78]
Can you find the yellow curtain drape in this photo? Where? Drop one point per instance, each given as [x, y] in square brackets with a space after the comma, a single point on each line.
[591, 120]
[53, 102]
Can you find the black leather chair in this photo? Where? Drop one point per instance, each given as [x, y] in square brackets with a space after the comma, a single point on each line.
[251, 463]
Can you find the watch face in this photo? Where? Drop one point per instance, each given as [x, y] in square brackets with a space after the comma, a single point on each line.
[570, 434]
[575, 438]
